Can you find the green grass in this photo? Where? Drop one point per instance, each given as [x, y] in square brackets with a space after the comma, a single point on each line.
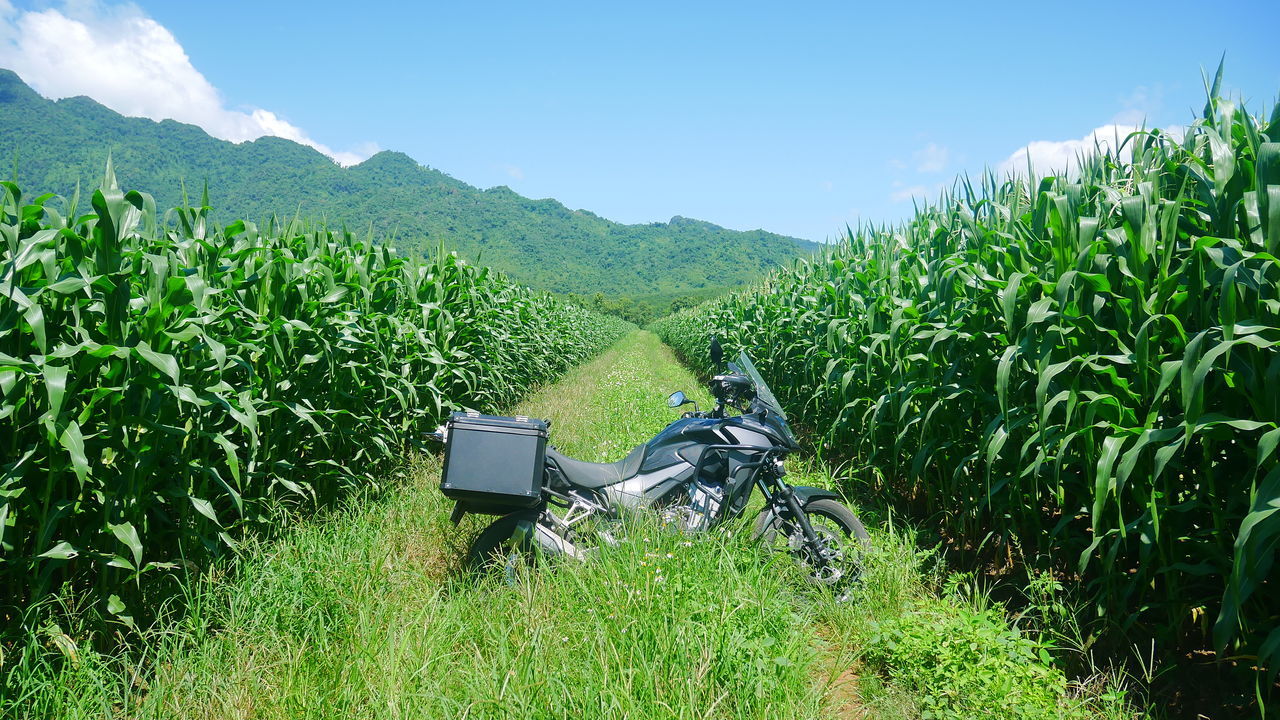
[603, 409]
[362, 613]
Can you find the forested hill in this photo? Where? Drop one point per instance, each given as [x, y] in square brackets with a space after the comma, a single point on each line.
[54, 144]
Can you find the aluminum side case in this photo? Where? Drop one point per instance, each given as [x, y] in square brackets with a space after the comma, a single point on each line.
[494, 465]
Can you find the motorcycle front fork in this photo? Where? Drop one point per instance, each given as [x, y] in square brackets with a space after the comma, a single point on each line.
[788, 496]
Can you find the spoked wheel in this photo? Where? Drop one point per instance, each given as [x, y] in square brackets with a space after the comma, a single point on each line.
[844, 541]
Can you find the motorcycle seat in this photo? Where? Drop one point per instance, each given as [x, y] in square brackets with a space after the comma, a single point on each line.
[597, 475]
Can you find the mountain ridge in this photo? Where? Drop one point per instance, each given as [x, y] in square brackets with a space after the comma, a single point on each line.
[538, 241]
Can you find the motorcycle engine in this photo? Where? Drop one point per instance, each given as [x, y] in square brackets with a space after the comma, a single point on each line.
[698, 510]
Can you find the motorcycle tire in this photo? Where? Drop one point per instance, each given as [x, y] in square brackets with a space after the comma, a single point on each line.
[492, 550]
[765, 530]
[767, 525]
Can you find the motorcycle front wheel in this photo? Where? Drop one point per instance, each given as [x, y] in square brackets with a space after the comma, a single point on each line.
[843, 537]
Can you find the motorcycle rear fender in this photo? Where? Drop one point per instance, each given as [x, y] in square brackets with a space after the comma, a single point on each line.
[531, 532]
[462, 508]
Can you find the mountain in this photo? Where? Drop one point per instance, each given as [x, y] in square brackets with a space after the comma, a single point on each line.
[542, 243]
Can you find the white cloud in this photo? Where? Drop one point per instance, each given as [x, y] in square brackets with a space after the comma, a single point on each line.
[133, 65]
[515, 172]
[1062, 156]
[903, 194]
[931, 158]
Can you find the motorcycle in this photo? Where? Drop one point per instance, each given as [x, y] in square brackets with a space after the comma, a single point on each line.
[697, 474]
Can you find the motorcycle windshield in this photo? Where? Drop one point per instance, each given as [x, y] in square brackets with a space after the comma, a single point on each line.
[764, 394]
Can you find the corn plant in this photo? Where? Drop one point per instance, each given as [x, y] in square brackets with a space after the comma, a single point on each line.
[166, 384]
[1082, 366]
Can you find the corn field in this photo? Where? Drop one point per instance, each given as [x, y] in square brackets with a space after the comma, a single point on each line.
[167, 384]
[1080, 368]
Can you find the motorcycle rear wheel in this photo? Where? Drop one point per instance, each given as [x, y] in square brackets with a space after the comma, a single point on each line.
[497, 550]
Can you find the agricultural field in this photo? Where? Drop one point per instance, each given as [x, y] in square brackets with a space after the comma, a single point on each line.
[1075, 374]
[169, 386]
[213, 507]
[363, 611]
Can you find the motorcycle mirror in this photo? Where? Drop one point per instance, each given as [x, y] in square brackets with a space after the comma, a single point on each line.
[717, 352]
[677, 399]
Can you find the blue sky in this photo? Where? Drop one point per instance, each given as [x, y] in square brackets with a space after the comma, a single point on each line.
[796, 118]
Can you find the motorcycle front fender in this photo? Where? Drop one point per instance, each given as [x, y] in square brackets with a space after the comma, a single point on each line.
[807, 494]
[804, 494]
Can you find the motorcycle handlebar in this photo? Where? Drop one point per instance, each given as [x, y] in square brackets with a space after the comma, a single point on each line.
[731, 389]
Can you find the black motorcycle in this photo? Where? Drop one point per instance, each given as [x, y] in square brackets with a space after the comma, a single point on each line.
[696, 474]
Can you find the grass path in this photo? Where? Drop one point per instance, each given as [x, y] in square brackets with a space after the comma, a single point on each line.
[603, 409]
[363, 614]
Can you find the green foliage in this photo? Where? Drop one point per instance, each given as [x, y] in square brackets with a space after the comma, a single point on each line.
[330, 623]
[605, 408]
[633, 311]
[169, 384]
[357, 612]
[541, 243]
[934, 646]
[1084, 367]
[627, 308]
[959, 662]
[643, 309]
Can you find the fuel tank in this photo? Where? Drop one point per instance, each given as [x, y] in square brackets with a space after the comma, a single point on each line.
[673, 454]
[663, 449]
[665, 467]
